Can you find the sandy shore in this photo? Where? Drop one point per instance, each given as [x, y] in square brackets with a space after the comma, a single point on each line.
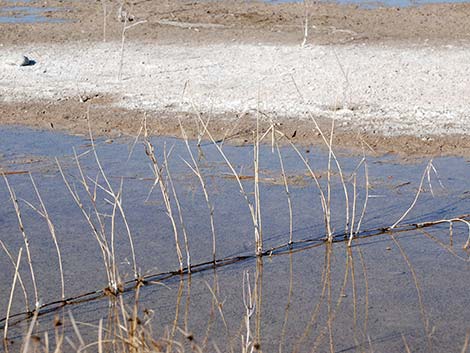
[402, 91]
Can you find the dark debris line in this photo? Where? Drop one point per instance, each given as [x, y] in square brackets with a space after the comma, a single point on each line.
[283, 249]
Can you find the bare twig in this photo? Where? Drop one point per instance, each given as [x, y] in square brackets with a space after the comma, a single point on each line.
[52, 231]
[12, 292]
[16, 206]
[197, 171]
[420, 187]
[125, 28]
[157, 170]
[12, 260]
[180, 213]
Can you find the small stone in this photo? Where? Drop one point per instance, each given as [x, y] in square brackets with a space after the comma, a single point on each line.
[18, 60]
[25, 61]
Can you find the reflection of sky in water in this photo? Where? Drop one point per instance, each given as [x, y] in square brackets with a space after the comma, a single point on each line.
[30, 19]
[383, 279]
[28, 14]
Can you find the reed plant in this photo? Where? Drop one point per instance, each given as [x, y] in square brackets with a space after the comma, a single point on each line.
[100, 202]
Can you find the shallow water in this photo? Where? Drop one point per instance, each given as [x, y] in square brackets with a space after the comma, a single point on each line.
[29, 14]
[369, 297]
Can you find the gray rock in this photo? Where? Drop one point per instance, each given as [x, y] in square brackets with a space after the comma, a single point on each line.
[18, 60]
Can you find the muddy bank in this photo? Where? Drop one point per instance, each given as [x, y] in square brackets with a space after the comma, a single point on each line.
[71, 116]
[391, 91]
[393, 79]
[244, 22]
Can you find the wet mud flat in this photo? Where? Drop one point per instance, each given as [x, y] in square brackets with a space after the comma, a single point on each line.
[394, 77]
[391, 289]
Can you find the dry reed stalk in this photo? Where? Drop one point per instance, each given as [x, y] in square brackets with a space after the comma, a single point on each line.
[100, 336]
[114, 267]
[354, 295]
[450, 221]
[197, 171]
[116, 199]
[316, 311]
[366, 288]
[219, 307]
[259, 302]
[12, 292]
[15, 172]
[426, 171]
[407, 348]
[46, 342]
[286, 187]
[27, 339]
[451, 235]
[353, 216]
[59, 338]
[43, 212]
[16, 206]
[330, 150]
[187, 304]
[465, 344]
[125, 28]
[444, 246]
[20, 280]
[134, 321]
[97, 230]
[157, 170]
[329, 300]
[467, 244]
[249, 304]
[304, 41]
[201, 131]
[329, 232]
[177, 313]
[180, 212]
[201, 125]
[288, 305]
[211, 320]
[332, 311]
[259, 227]
[131, 150]
[315, 179]
[433, 169]
[76, 330]
[98, 343]
[326, 202]
[366, 197]
[418, 290]
[229, 133]
[119, 322]
[255, 209]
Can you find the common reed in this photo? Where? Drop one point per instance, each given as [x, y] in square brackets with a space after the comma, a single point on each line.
[101, 205]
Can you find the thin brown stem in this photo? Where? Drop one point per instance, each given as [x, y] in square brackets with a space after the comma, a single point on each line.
[12, 292]
[16, 206]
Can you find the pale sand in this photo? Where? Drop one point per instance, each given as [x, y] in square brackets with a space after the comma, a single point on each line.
[387, 89]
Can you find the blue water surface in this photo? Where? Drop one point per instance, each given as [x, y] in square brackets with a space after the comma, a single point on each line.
[28, 14]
